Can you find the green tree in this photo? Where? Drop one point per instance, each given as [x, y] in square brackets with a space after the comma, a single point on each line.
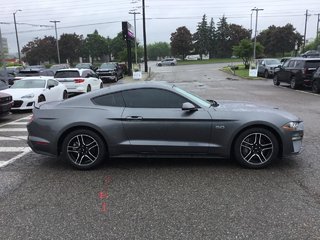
[158, 49]
[201, 37]
[96, 45]
[212, 39]
[245, 51]
[279, 40]
[181, 42]
[119, 47]
[40, 50]
[70, 46]
[314, 45]
[224, 49]
[238, 33]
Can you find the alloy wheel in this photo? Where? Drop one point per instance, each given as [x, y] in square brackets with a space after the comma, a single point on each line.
[83, 150]
[256, 148]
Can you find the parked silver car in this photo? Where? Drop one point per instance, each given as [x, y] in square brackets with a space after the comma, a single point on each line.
[167, 62]
[159, 120]
[266, 66]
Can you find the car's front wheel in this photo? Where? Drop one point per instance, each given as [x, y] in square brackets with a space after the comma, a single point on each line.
[88, 88]
[276, 80]
[65, 95]
[266, 74]
[83, 149]
[256, 148]
[41, 98]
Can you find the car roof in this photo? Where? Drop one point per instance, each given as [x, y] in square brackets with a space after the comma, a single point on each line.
[37, 77]
[73, 69]
[305, 59]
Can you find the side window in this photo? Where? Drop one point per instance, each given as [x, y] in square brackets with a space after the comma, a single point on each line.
[84, 74]
[152, 98]
[299, 64]
[111, 100]
[291, 63]
[51, 83]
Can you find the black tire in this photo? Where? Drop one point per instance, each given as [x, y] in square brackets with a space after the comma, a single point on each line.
[41, 98]
[116, 78]
[172, 64]
[293, 83]
[275, 80]
[315, 87]
[83, 149]
[88, 88]
[159, 65]
[65, 95]
[101, 85]
[256, 148]
[266, 74]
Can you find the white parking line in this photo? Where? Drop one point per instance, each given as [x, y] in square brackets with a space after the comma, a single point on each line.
[15, 121]
[5, 163]
[13, 129]
[14, 149]
[13, 138]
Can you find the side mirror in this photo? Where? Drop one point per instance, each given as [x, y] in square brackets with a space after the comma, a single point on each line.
[189, 107]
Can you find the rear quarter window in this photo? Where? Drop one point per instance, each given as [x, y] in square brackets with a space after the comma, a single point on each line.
[313, 64]
[110, 100]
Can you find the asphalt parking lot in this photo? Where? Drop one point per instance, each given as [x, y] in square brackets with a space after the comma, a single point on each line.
[44, 198]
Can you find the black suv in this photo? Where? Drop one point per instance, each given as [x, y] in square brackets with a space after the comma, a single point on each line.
[297, 72]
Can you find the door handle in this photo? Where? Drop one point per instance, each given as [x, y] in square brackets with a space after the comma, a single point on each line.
[134, 118]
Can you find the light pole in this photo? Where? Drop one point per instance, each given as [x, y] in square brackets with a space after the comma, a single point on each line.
[135, 34]
[15, 26]
[144, 37]
[255, 31]
[55, 27]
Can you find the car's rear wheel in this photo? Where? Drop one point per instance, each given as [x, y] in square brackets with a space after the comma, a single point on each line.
[88, 88]
[315, 87]
[41, 98]
[276, 80]
[65, 95]
[83, 149]
[172, 64]
[256, 148]
[266, 74]
[116, 78]
[101, 85]
[293, 83]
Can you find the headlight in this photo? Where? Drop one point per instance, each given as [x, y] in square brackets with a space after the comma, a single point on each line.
[291, 126]
[31, 95]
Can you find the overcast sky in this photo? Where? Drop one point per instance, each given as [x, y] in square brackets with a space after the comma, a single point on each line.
[163, 16]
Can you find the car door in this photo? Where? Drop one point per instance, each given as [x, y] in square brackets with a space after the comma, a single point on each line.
[155, 123]
[94, 80]
[284, 73]
[52, 90]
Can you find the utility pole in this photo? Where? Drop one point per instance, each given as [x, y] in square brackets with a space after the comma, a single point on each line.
[317, 36]
[15, 26]
[55, 26]
[305, 30]
[255, 31]
[144, 37]
[135, 34]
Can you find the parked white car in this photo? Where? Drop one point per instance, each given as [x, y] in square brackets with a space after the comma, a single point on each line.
[30, 91]
[79, 80]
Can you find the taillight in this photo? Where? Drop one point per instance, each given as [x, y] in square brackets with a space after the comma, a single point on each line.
[79, 80]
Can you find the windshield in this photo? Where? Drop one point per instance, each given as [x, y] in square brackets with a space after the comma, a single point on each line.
[108, 66]
[273, 62]
[83, 65]
[30, 83]
[192, 97]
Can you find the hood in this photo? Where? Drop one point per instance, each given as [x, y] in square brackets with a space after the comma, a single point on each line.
[252, 108]
[105, 69]
[20, 92]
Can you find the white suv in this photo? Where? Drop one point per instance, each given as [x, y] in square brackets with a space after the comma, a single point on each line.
[79, 80]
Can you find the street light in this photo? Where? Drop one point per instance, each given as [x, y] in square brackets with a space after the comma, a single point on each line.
[55, 27]
[15, 26]
[255, 31]
[135, 34]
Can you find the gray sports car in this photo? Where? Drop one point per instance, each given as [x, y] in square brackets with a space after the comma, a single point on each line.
[159, 120]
